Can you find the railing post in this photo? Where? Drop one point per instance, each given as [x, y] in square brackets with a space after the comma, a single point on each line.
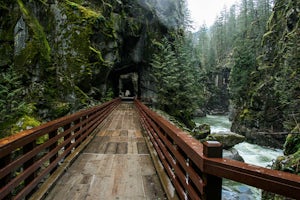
[213, 188]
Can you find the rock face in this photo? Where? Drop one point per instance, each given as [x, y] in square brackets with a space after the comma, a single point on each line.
[71, 54]
[263, 138]
[273, 102]
[20, 36]
[218, 103]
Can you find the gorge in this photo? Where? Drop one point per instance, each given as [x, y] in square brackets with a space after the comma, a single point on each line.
[57, 57]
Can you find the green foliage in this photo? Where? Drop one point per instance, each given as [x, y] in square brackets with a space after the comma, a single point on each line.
[23, 123]
[276, 89]
[291, 164]
[176, 76]
[241, 72]
[109, 95]
[292, 144]
[85, 12]
[12, 102]
[59, 109]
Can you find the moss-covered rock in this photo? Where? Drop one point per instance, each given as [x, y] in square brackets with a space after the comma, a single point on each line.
[72, 52]
[271, 94]
[228, 139]
[292, 144]
[38, 47]
[291, 164]
[288, 163]
[201, 131]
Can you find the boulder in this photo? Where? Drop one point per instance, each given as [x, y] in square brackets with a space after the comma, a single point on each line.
[199, 113]
[233, 154]
[228, 139]
[201, 131]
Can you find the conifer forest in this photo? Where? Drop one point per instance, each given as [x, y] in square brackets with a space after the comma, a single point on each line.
[58, 57]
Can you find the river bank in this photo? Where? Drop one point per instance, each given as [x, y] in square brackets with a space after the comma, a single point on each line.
[251, 153]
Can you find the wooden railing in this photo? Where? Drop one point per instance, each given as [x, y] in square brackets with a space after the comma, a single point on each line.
[30, 158]
[196, 170]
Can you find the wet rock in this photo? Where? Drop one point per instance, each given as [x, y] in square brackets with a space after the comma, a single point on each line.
[236, 195]
[233, 154]
[20, 36]
[201, 131]
[267, 138]
[228, 139]
[199, 113]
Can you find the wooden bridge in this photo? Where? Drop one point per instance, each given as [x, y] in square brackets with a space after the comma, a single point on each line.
[123, 150]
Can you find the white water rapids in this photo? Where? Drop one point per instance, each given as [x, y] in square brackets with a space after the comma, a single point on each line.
[251, 153]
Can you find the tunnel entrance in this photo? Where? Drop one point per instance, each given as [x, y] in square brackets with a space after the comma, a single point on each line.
[125, 81]
[128, 85]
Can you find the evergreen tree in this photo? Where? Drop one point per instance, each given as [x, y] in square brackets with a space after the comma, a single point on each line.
[244, 65]
[203, 47]
[176, 75]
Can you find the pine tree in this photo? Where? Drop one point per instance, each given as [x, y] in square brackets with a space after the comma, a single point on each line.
[176, 74]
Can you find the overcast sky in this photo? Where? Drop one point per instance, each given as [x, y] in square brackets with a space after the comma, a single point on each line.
[205, 11]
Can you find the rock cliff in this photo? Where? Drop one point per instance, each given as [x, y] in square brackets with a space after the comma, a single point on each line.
[67, 55]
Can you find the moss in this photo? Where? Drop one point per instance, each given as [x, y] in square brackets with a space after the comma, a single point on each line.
[84, 98]
[39, 45]
[5, 54]
[25, 122]
[83, 24]
[227, 139]
[201, 131]
[86, 13]
[292, 144]
[244, 113]
[27, 55]
[42, 139]
[98, 53]
[289, 163]
[59, 109]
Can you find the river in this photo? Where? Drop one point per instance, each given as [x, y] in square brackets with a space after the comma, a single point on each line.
[251, 153]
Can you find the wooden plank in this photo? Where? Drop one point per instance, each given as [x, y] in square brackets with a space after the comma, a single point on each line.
[122, 148]
[116, 164]
[152, 187]
[142, 148]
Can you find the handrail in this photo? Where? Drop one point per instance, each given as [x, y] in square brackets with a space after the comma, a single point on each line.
[196, 170]
[25, 162]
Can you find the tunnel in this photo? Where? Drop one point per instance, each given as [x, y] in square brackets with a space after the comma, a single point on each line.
[125, 81]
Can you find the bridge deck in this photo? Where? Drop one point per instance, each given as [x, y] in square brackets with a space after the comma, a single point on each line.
[115, 165]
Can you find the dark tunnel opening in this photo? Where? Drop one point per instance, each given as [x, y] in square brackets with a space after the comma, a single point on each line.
[125, 81]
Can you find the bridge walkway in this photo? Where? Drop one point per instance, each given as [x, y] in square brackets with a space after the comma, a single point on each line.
[115, 165]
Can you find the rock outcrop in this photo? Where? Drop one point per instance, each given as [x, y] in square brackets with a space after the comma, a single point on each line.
[272, 104]
[70, 54]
